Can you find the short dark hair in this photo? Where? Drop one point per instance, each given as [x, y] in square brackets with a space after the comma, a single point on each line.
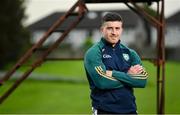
[111, 16]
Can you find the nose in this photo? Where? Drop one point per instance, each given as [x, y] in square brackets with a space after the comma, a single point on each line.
[113, 31]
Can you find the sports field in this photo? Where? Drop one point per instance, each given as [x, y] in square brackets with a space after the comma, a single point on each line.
[51, 96]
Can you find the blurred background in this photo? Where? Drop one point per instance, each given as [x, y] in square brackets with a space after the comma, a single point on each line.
[61, 86]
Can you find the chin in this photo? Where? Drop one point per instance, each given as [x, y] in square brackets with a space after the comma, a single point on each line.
[114, 41]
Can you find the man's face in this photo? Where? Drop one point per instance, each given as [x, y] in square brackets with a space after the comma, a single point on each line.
[112, 31]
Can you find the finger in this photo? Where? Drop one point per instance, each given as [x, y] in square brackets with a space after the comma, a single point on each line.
[140, 70]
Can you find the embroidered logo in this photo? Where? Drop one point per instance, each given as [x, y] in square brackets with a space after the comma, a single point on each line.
[106, 56]
[126, 57]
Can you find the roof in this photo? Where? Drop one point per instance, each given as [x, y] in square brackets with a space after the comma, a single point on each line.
[92, 20]
[174, 19]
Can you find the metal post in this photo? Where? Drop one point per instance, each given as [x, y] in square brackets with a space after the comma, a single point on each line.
[161, 63]
[158, 64]
[162, 99]
[159, 24]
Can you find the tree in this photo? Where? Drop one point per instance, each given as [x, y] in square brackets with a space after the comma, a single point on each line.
[14, 37]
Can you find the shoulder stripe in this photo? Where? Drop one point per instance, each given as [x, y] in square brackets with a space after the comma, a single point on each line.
[100, 71]
[142, 75]
[139, 77]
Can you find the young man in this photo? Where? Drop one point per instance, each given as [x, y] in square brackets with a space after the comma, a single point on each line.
[113, 70]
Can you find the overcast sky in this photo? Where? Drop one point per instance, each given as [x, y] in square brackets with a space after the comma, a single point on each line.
[36, 9]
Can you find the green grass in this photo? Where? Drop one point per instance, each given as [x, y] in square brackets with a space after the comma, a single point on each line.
[48, 97]
[146, 97]
[53, 97]
[61, 68]
[172, 87]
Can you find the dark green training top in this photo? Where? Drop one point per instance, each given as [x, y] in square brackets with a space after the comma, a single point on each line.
[113, 94]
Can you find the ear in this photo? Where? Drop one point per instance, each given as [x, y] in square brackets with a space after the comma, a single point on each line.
[121, 30]
[101, 29]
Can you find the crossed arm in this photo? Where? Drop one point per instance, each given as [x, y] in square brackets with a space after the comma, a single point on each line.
[133, 70]
[105, 79]
[135, 77]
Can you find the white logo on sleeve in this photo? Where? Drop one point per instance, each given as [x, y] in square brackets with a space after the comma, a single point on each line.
[103, 50]
[126, 57]
[106, 56]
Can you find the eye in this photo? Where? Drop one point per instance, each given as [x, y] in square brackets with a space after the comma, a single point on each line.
[117, 28]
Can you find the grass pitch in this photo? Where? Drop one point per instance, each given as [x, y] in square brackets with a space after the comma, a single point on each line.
[47, 97]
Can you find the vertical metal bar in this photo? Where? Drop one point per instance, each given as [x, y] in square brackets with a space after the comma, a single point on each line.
[161, 63]
[159, 24]
[162, 101]
[158, 58]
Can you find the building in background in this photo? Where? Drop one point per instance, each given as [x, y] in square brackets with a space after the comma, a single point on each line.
[135, 34]
[173, 36]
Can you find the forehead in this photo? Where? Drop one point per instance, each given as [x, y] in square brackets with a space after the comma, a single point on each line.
[112, 24]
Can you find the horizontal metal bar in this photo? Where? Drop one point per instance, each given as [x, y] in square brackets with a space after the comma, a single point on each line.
[81, 58]
[66, 59]
[118, 1]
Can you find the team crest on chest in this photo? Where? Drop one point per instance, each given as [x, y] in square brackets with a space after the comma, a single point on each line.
[126, 56]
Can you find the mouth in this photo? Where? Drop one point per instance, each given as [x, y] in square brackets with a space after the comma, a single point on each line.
[113, 37]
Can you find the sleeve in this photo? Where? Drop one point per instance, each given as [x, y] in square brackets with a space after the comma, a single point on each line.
[137, 80]
[96, 70]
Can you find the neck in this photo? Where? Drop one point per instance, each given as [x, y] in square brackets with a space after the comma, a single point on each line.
[113, 45]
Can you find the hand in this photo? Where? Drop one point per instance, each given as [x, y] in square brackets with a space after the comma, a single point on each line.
[136, 69]
[109, 73]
